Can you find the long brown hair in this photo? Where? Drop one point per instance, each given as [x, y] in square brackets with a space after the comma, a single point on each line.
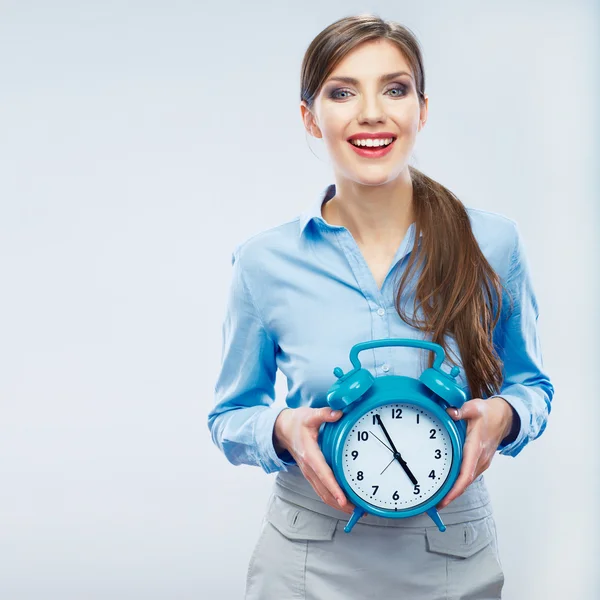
[457, 290]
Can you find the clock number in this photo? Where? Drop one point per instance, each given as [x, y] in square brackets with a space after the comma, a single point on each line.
[432, 432]
[354, 454]
[395, 495]
[432, 474]
[417, 418]
[417, 490]
[375, 488]
[375, 422]
[396, 413]
[360, 476]
[363, 436]
[438, 453]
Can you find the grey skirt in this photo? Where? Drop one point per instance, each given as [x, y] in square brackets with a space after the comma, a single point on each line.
[306, 555]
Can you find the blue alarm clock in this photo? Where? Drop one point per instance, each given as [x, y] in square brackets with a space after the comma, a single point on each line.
[395, 451]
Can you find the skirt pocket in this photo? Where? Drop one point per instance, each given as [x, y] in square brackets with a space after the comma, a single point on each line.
[474, 571]
[461, 540]
[298, 523]
[277, 569]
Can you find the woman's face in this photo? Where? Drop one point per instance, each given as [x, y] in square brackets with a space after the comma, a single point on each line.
[370, 104]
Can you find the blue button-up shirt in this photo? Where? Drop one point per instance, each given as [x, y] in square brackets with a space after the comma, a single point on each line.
[302, 295]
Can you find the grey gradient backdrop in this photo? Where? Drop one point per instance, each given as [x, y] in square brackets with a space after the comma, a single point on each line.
[140, 142]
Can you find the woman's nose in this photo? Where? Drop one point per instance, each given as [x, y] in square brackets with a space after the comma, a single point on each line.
[371, 111]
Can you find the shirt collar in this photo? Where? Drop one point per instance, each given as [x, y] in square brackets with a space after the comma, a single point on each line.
[314, 211]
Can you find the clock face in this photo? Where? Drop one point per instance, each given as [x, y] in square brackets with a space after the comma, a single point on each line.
[402, 480]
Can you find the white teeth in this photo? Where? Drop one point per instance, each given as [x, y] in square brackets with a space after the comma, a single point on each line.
[373, 142]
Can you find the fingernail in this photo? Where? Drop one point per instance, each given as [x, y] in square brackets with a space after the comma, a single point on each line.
[335, 413]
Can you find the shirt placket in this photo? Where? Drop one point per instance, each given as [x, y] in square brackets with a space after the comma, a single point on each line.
[375, 298]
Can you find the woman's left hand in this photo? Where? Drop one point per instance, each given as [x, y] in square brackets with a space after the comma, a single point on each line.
[488, 423]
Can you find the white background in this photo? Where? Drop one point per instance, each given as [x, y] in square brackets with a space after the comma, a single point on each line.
[140, 142]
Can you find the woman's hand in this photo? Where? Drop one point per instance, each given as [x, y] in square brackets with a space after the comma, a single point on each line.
[489, 422]
[297, 430]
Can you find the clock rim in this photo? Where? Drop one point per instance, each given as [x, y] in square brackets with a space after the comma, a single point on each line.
[379, 398]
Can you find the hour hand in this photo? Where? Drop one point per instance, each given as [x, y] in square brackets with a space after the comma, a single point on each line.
[406, 469]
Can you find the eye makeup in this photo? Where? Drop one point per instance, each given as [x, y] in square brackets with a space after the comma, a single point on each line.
[401, 87]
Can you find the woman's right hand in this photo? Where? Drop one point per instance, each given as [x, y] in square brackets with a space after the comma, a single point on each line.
[297, 430]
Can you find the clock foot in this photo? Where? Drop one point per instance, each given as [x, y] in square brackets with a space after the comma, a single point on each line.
[356, 515]
[435, 517]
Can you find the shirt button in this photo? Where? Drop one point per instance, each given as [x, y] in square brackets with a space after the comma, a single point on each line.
[386, 368]
[381, 312]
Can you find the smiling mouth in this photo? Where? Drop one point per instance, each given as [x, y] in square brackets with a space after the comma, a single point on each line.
[372, 147]
[373, 152]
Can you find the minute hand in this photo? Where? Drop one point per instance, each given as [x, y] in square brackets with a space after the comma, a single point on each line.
[397, 454]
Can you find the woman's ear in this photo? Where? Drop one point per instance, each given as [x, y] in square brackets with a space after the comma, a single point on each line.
[423, 113]
[309, 120]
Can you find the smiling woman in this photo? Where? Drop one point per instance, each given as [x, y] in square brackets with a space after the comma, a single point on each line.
[378, 195]
[384, 252]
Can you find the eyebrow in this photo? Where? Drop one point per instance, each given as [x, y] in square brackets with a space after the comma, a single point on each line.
[353, 81]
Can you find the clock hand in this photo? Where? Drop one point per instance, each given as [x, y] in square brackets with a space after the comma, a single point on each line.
[381, 441]
[406, 469]
[397, 454]
[387, 435]
[391, 461]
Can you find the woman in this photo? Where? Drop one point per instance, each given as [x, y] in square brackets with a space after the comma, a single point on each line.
[305, 292]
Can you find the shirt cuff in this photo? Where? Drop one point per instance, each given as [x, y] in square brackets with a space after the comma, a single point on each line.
[516, 440]
[267, 457]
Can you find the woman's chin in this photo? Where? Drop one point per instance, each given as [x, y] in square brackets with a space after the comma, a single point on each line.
[373, 175]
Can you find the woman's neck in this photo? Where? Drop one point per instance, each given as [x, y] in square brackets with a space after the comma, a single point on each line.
[375, 215]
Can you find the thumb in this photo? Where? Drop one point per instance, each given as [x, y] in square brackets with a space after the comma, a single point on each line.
[468, 410]
[325, 414]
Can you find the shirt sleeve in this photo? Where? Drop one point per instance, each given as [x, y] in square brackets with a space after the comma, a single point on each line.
[526, 386]
[243, 417]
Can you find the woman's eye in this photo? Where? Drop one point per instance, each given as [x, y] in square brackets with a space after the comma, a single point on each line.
[400, 90]
[335, 92]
